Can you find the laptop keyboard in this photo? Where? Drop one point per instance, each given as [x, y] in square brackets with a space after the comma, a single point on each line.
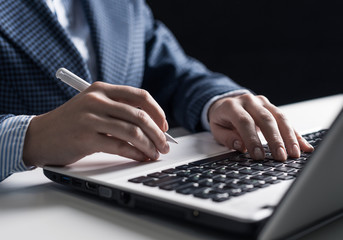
[229, 175]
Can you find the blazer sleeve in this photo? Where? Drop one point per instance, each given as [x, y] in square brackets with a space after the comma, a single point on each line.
[179, 83]
[12, 136]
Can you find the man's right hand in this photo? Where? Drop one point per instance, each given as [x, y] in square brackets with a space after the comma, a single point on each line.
[107, 118]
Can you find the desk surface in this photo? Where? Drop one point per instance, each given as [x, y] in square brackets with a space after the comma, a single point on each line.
[32, 207]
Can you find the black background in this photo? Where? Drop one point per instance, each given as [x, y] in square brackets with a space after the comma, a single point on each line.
[286, 50]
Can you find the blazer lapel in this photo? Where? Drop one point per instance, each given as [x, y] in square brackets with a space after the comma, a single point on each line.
[33, 28]
[111, 27]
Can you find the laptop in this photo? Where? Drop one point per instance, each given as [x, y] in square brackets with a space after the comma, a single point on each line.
[207, 184]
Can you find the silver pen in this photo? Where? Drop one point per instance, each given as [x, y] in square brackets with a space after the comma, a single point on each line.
[79, 84]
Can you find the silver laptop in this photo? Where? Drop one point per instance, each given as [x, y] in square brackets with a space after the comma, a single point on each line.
[205, 183]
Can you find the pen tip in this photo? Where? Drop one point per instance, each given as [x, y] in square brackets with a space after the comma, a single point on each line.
[170, 138]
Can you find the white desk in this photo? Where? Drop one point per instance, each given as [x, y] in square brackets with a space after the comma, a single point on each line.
[32, 207]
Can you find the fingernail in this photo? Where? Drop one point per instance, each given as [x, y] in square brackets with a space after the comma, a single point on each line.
[281, 153]
[295, 151]
[166, 148]
[165, 126]
[156, 156]
[308, 144]
[237, 145]
[258, 153]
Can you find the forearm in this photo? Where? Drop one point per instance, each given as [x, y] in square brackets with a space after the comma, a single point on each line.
[181, 85]
[12, 136]
[192, 96]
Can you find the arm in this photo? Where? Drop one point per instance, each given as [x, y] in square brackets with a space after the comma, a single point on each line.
[191, 89]
[179, 83]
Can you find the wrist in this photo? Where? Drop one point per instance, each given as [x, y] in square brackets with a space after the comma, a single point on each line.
[31, 148]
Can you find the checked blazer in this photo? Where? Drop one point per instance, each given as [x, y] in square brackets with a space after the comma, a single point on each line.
[131, 48]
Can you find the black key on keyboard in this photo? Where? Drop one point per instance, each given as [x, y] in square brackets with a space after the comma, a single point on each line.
[213, 159]
[248, 171]
[220, 197]
[197, 169]
[188, 188]
[206, 182]
[285, 177]
[141, 179]
[162, 181]
[170, 171]
[194, 178]
[294, 165]
[183, 167]
[262, 178]
[235, 175]
[272, 173]
[172, 186]
[204, 193]
[158, 175]
[273, 164]
[284, 169]
[261, 167]
[184, 173]
[220, 178]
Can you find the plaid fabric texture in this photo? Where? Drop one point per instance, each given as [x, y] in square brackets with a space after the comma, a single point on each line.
[131, 49]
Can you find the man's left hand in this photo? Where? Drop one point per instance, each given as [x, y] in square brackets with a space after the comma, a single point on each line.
[235, 122]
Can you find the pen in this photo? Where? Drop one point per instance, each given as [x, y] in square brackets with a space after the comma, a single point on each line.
[79, 84]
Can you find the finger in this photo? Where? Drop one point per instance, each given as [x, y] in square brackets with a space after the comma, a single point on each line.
[285, 128]
[245, 126]
[137, 98]
[139, 118]
[227, 137]
[269, 128]
[109, 144]
[304, 145]
[128, 132]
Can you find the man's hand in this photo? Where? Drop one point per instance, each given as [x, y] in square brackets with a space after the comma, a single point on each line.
[235, 121]
[104, 118]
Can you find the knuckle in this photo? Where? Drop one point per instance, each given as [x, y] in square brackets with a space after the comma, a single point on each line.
[225, 103]
[275, 140]
[92, 97]
[290, 138]
[93, 100]
[266, 117]
[280, 116]
[144, 94]
[263, 99]
[248, 97]
[142, 117]
[134, 131]
[229, 103]
[277, 144]
[244, 119]
[86, 118]
[97, 85]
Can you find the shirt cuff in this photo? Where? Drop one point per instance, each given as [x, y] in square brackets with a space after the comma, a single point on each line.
[204, 113]
[12, 137]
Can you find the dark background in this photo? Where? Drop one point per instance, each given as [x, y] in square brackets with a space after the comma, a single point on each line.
[286, 50]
